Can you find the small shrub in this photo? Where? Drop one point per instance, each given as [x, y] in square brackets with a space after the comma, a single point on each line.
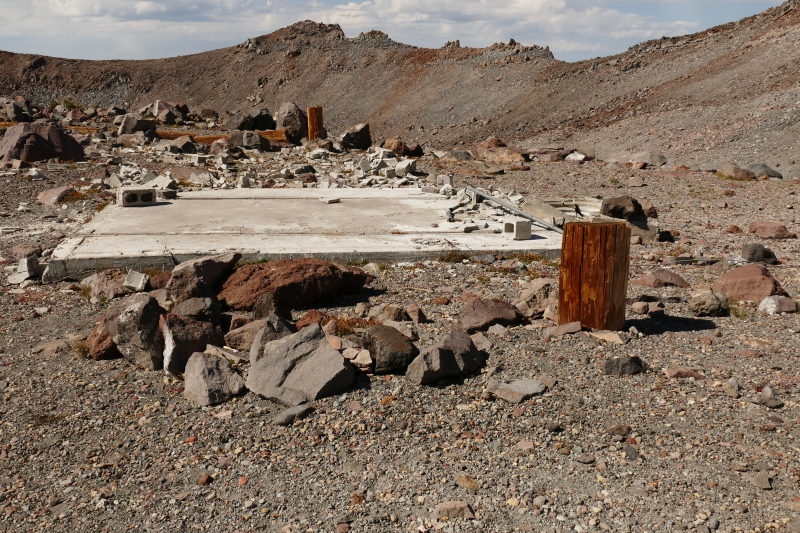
[452, 257]
[85, 292]
[80, 350]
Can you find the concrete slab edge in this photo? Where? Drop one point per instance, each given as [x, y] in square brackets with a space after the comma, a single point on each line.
[77, 268]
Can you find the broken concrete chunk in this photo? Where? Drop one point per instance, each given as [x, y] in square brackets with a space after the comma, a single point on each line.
[136, 281]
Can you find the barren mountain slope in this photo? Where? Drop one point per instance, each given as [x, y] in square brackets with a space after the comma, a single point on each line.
[700, 98]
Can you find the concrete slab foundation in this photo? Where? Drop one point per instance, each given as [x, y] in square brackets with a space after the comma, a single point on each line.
[377, 225]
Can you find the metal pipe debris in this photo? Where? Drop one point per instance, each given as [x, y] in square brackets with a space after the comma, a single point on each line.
[515, 210]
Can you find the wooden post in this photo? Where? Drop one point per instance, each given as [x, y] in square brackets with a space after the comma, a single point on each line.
[316, 130]
[594, 275]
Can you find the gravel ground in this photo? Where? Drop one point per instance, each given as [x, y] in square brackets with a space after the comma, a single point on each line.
[104, 446]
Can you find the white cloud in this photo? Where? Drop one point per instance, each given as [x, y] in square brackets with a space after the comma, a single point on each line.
[157, 28]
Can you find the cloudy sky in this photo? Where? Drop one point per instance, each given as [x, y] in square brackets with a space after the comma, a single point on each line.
[133, 29]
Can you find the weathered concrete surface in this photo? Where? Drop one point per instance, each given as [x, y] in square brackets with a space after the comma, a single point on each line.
[382, 225]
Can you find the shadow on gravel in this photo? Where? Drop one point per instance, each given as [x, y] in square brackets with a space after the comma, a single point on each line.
[650, 326]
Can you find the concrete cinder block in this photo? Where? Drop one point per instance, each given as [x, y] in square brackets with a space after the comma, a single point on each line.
[136, 196]
[136, 281]
[518, 229]
[403, 168]
[444, 180]
[388, 173]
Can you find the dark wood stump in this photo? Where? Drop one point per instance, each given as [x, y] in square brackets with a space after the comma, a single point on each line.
[594, 275]
[316, 128]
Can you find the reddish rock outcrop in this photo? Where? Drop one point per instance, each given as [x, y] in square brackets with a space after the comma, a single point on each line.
[750, 283]
[771, 230]
[294, 282]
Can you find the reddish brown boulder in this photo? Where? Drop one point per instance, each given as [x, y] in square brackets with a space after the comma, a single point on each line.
[771, 230]
[109, 284]
[159, 281]
[101, 345]
[733, 228]
[479, 315]
[749, 283]
[416, 314]
[493, 150]
[294, 282]
[311, 317]
[54, 196]
[681, 372]
[31, 142]
[662, 278]
[397, 146]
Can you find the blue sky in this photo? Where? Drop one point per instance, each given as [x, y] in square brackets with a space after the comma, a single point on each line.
[144, 29]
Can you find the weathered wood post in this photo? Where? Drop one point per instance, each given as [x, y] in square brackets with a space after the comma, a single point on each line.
[316, 129]
[594, 275]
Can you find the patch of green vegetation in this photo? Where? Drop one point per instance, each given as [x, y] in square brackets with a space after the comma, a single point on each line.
[737, 311]
[261, 261]
[361, 263]
[80, 350]
[484, 279]
[730, 178]
[452, 257]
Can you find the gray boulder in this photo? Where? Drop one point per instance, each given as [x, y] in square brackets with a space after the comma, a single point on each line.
[242, 338]
[451, 357]
[205, 308]
[238, 121]
[293, 120]
[134, 123]
[136, 333]
[390, 349]
[709, 303]
[760, 169]
[301, 368]
[757, 253]
[262, 119]
[770, 398]
[623, 366]
[624, 207]
[357, 137]
[204, 270]
[210, 380]
[247, 140]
